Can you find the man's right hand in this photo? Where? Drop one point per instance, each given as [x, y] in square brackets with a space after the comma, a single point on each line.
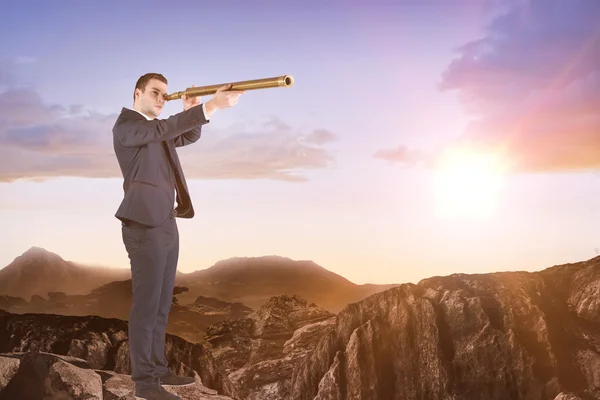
[223, 98]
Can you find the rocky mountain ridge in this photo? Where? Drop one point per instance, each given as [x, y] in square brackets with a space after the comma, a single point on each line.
[251, 281]
[511, 335]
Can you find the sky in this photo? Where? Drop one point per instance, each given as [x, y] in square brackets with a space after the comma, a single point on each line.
[420, 138]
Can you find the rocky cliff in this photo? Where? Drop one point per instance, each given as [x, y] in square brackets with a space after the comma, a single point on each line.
[259, 352]
[102, 343]
[513, 335]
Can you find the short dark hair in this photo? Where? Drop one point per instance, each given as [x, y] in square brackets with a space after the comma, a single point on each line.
[142, 82]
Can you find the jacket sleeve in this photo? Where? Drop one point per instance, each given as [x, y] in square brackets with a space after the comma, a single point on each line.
[138, 132]
[188, 137]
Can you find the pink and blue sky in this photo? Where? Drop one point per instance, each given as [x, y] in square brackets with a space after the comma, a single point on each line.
[422, 138]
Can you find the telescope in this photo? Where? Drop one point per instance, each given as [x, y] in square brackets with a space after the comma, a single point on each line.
[265, 83]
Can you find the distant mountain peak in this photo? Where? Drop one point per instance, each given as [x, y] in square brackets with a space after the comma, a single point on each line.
[269, 269]
[37, 248]
[39, 271]
[255, 259]
[33, 256]
[36, 252]
[267, 261]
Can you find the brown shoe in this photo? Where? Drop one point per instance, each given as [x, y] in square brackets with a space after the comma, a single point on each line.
[155, 393]
[170, 379]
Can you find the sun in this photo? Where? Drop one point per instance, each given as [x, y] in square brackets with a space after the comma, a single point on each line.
[467, 184]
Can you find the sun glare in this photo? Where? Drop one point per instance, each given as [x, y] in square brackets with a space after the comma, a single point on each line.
[467, 184]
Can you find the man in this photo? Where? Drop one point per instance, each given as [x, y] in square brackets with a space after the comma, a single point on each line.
[153, 181]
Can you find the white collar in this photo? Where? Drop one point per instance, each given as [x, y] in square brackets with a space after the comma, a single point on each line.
[147, 117]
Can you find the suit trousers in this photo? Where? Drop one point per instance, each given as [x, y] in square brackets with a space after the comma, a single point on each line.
[153, 253]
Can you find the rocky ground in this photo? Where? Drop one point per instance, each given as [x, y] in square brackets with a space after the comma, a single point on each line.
[102, 343]
[39, 375]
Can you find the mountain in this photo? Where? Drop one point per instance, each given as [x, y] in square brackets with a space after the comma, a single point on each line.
[38, 271]
[254, 280]
[497, 336]
[251, 281]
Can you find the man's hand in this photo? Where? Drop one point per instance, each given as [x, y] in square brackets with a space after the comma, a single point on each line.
[189, 102]
[223, 98]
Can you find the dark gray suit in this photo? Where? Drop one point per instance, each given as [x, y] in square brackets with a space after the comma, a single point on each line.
[153, 179]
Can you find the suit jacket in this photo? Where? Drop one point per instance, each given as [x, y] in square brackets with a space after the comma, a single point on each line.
[138, 144]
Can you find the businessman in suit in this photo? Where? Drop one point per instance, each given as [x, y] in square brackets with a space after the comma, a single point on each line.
[145, 147]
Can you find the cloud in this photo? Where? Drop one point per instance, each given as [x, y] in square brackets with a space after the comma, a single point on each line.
[406, 156]
[534, 83]
[532, 86]
[39, 141]
[269, 149]
[320, 136]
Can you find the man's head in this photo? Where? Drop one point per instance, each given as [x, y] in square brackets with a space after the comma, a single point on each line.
[149, 93]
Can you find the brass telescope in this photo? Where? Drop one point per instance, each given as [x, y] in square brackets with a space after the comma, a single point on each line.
[265, 83]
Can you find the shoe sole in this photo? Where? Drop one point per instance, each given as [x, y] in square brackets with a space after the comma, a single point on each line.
[184, 385]
[139, 398]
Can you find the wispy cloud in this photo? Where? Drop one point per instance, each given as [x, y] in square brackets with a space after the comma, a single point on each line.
[406, 156]
[259, 149]
[532, 83]
[39, 141]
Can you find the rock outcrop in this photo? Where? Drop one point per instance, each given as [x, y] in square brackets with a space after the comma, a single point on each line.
[39, 375]
[259, 352]
[103, 344]
[512, 335]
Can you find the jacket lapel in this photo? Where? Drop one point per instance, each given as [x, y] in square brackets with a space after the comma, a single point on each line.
[184, 203]
[176, 163]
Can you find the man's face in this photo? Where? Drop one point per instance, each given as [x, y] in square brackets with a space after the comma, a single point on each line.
[151, 101]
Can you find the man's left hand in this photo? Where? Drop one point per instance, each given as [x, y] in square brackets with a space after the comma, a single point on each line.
[189, 102]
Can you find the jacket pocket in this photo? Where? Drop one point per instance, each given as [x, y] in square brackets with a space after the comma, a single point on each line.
[134, 237]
